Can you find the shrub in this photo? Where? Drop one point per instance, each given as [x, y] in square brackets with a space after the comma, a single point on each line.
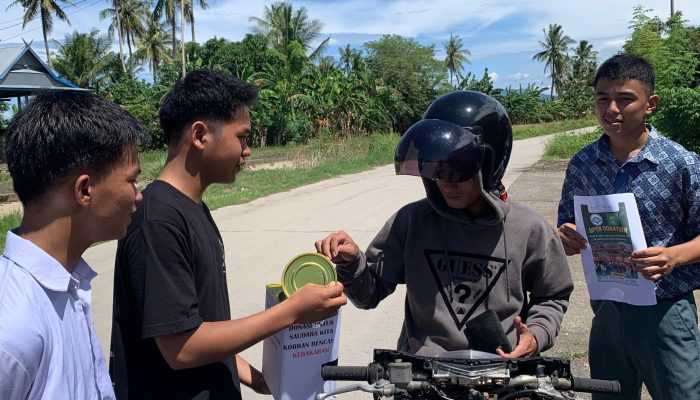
[678, 116]
[383, 146]
[300, 130]
[142, 100]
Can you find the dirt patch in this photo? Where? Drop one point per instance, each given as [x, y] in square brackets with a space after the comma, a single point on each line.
[283, 164]
[7, 208]
[539, 187]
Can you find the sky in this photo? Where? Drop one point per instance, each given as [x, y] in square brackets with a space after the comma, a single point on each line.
[501, 35]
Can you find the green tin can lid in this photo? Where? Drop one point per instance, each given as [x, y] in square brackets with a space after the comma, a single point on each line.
[307, 268]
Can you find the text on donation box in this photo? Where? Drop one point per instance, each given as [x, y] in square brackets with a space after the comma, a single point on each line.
[292, 358]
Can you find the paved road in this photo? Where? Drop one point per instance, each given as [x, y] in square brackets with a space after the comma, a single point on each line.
[261, 236]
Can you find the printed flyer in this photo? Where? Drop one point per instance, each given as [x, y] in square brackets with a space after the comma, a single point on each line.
[612, 227]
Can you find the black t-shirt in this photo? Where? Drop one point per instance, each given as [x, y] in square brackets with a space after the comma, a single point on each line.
[169, 277]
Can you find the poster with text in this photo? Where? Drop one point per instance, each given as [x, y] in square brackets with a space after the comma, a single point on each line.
[612, 227]
[293, 357]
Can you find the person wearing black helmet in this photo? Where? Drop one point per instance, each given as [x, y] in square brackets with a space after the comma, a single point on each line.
[482, 272]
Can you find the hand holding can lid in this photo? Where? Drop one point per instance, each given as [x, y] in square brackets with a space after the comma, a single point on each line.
[307, 268]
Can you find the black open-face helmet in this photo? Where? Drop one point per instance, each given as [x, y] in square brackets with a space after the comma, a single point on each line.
[485, 141]
[440, 150]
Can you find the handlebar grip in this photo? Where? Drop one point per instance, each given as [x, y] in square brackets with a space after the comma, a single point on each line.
[595, 386]
[336, 373]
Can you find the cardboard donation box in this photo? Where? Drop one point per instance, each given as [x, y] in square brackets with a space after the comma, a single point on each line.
[293, 357]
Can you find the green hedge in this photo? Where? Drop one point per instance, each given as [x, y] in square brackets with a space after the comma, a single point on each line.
[678, 116]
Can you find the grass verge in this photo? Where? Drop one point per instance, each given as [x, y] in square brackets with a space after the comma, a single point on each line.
[532, 130]
[321, 159]
[565, 145]
[7, 222]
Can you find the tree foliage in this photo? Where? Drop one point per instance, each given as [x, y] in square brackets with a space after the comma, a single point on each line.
[152, 47]
[282, 25]
[133, 17]
[411, 70]
[82, 58]
[668, 46]
[387, 85]
[672, 48]
[554, 55]
[455, 55]
[678, 116]
[44, 9]
[583, 64]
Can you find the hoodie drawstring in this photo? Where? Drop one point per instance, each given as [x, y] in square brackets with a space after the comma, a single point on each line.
[505, 250]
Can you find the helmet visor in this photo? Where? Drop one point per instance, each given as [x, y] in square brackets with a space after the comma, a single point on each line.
[440, 151]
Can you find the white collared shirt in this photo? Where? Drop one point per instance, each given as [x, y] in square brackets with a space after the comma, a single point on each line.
[48, 345]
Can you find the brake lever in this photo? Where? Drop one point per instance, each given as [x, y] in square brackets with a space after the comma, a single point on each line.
[382, 387]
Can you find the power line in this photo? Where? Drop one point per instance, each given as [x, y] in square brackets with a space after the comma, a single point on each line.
[22, 18]
[33, 29]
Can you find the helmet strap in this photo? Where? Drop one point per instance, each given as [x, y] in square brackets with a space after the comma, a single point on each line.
[488, 176]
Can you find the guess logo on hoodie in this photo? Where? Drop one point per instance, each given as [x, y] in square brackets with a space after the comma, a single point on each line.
[464, 280]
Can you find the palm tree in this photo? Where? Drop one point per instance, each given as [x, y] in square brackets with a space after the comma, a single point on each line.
[554, 55]
[114, 72]
[584, 62]
[345, 58]
[132, 18]
[326, 65]
[116, 22]
[45, 9]
[169, 8]
[82, 58]
[189, 16]
[456, 55]
[357, 62]
[152, 46]
[281, 25]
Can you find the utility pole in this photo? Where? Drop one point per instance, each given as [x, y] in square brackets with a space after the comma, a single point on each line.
[672, 12]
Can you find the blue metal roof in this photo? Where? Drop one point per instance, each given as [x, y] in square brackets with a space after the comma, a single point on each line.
[23, 72]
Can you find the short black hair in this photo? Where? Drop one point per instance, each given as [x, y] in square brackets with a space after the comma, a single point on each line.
[212, 96]
[626, 67]
[60, 132]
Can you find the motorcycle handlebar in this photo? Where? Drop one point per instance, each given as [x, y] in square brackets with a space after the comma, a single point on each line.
[369, 374]
[595, 385]
[336, 373]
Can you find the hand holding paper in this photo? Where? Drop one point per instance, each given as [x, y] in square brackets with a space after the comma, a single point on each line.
[573, 241]
[655, 262]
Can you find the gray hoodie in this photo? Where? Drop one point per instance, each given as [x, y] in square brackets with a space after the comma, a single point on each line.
[416, 245]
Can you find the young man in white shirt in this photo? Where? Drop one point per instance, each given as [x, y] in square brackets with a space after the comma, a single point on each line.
[73, 160]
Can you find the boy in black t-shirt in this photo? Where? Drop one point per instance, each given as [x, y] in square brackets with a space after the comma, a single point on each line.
[172, 333]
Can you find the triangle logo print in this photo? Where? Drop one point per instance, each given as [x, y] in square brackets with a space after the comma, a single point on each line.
[464, 280]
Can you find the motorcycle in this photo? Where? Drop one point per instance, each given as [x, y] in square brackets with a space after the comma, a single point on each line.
[464, 375]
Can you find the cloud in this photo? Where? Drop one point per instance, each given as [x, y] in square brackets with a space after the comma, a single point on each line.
[493, 75]
[408, 18]
[518, 76]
